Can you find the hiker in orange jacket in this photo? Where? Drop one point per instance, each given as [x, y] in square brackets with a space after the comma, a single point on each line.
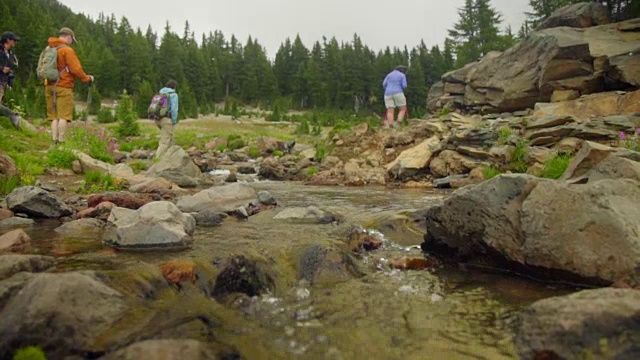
[59, 95]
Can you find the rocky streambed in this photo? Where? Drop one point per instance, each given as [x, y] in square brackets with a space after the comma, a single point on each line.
[327, 273]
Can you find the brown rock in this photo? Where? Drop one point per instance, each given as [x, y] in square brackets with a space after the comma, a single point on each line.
[538, 154]
[580, 15]
[454, 89]
[7, 165]
[358, 240]
[15, 240]
[450, 162]
[121, 199]
[231, 178]
[586, 159]
[569, 145]
[414, 160]
[179, 270]
[594, 105]
[76, 166]
[5, 214]
[267, 145]
[564, 95]
[215, 143]
[153, 186]
[413, 263]
[476, 176]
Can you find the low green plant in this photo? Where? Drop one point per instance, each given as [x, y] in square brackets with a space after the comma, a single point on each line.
[30, 353]
[518, 162]
[321, 151]
[504, 134]
[489, 172]
[138, 166]
[235, 142]
[303, 128]
[9, 183]
[445, 110]
[95, 181]
[254, 152]
[127, 116]
[340, 128]
[60, 158]
[277, 153]
[555, 167]
[312, 171]
[221, 148]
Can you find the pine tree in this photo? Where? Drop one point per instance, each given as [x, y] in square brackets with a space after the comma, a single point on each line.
[127, 117]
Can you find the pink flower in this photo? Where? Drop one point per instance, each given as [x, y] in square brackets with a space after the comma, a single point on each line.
[622, 135]
[638, 131]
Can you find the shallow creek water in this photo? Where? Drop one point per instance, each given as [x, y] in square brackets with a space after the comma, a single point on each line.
[449, 313]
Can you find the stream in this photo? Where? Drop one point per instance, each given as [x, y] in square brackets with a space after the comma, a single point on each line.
[379, 313]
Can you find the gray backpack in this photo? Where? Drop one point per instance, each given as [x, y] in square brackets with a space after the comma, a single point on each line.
[48, 65]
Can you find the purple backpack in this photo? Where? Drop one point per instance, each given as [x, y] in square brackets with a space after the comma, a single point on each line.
[159, 106]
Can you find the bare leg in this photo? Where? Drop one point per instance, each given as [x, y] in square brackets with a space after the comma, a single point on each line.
[401, 113]
[62, 128]
[390, 115]
[54, 130]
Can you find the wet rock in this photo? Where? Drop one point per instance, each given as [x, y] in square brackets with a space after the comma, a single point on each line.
[414, 160]
[121, 199]
[82, 227]
[157, 225]
[244, 276]
[531, 225]
[63, 313]
[231, 178]
[166, 349]
[13, 264]
[597, 324]
[413, 263]
[581, 15]
[7, 165]
[219, 198]
[5, 214]
[179, 270]
[16, 222]
[311, 214]
[327, 266]
[271, 169]
[179, 178]
[153, 186]
[359, 239]
[208, 218]
[101, 211]
[15, 240]
[37, 203]
[265, 198]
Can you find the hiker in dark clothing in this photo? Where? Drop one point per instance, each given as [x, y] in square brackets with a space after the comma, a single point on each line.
[8, 64]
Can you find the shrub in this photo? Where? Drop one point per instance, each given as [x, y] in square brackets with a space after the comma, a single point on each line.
[236, 144]
[60, 158]
[312, 171]
[303, 128]
[321, 151]
[490, 172]
[105, 116]
[254, 152]
[30, 353]
[277, 153]
[96, 102]
[127, 117]
[518, 163]
[555, 167]
[504, 134]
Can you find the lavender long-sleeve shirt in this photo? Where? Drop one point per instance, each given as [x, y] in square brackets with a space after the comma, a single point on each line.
[394, 83]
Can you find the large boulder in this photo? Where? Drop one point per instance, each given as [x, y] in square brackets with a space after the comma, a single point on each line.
[64, 314]
[37, 203]
[595, 105]
[157, 225]
[596, 162]
[175, 160]
[580, 15]
[556, 59]
[584, 233]
[591, 324]
[223, 199]
[414, 160]
[165, 349]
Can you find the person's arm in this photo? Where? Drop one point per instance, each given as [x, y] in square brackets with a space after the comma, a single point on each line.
[74, 65]
[404, 81]
[174, 106]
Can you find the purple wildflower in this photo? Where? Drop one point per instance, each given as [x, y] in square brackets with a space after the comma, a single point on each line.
[638, 131]
[623, 135]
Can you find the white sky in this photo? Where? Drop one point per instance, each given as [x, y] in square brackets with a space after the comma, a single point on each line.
[379, 23]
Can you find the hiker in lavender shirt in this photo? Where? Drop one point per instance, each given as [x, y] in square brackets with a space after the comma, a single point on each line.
[394, 85]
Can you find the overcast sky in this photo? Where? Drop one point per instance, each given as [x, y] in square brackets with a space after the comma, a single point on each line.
[379, 23]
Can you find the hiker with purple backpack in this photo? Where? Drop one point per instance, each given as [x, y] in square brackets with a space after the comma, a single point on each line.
[164, 110]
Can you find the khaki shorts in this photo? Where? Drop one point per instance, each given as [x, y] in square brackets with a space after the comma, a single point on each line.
[396, 100]
[64, 103]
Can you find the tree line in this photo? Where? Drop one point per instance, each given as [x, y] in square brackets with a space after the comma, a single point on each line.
[329, 74]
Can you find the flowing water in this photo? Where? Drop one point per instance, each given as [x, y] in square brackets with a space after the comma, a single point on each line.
[448, 313]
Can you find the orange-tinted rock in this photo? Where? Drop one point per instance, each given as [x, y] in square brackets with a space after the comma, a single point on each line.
[413, 263]
[101, 211]
[5, 214]
[16, 240]
[121, 199]
[179, 270]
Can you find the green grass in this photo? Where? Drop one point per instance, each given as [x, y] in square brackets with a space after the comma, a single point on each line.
[30, 353]
[60, 158]
[490, 172]
[321, 151]
[518, 162]
[555, 167]
[138, 166]
[8, 184]
[312, 171]
[504, 134]
[254, 152]
[95, 182]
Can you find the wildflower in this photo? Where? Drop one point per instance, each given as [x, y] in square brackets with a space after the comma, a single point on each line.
[638, 131]
[623, 135]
